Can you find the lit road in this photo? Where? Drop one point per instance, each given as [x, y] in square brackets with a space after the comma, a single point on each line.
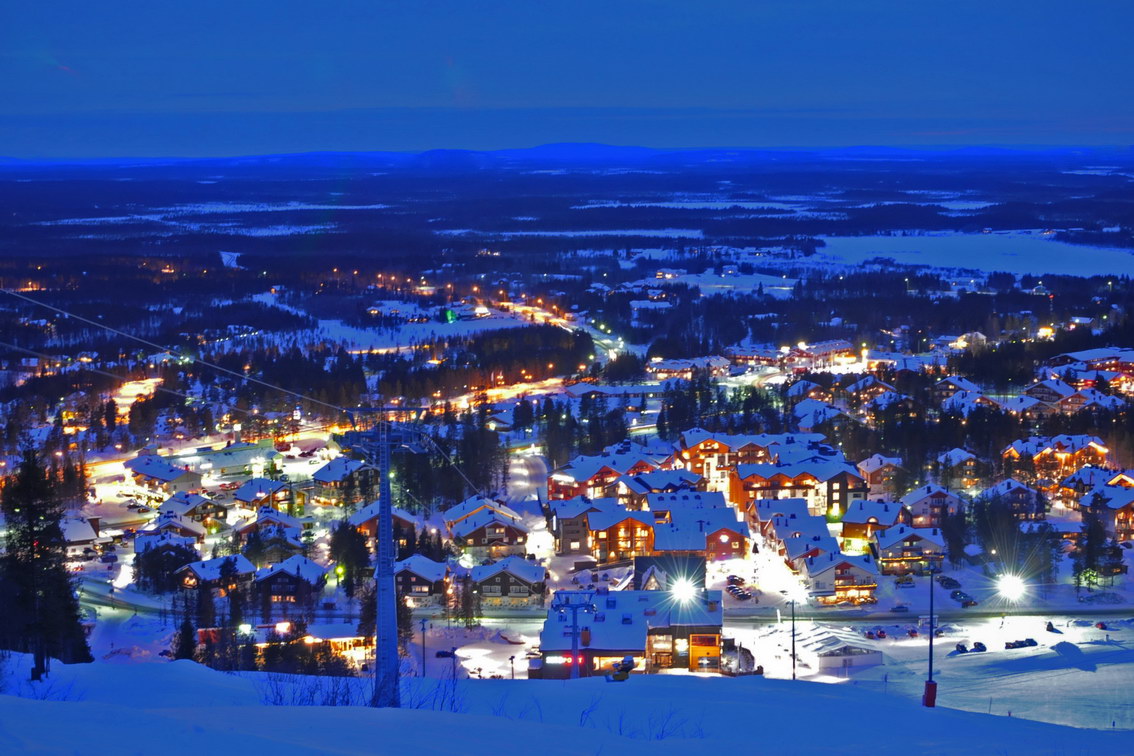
[527, 478]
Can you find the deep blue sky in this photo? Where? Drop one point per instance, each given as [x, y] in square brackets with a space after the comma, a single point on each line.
[231, 77]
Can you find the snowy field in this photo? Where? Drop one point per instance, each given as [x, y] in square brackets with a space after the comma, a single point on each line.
[1018, 252]
[182, 708]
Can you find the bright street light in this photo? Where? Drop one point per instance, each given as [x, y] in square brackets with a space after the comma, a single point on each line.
[1011, 587]
[683, 590]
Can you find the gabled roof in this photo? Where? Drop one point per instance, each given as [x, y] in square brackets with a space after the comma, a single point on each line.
[371, 512]
[337, 470]
[183, 502]
[955, 457]
[1113, 497]
[689, 529]
[923, 492]
[1003, 488]
[422, 566]
[297, 565]
[824, 470]
[958, 382]
[77, 530]
[862, 512]
[1088, 477]
[877, 462]
[766, 509]
[210, 569]
[567, 509]
[257, 488]
[622, 619]
[1052, 384]
[665, 502]
[608, 519]
[891, 536]
[483, 518]
[515, 566]
[174, 521]
[817, 565]
[475, 504]
[796, 547]
[660, 480]
[153, 466]
[811, 526]
[164, 539]
[866, 382]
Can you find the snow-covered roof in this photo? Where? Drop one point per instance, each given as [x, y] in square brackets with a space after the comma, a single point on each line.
[422, 566]
[257, 488]
[297, 565]
[566, 509]
[665, 502]
[210, 569]
[609, 518]
[372, 510]
[861, 512]
[1112, 497]
[1054, 385]
[810, 526]
[955, 457]
[337, 470]
[921, 493]
[822, 469]
[817, 565]
[876, 462]
[183, 502]
[891, 536]
[1003, 488]
[515, 566]
[77, 530]
[174, 521]
[660, 480]
[476, 504]
[153, 466]
[164, 539]
[766, 509]
[958, 382]
[483, 518]
[621, 620]
[689, 528]
[797, 546]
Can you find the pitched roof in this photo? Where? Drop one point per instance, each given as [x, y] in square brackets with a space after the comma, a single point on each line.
[609, 518]
[954, 457]
[482, 519]
[690, 528]
[876, 462]
[257, 488]
[922, 492]
[622, 619]
[665, 502]
[422, 566]
[517, 566]
[891, 536]
[210, 569]
[567, 509]
[861, 512]
[766, 509]
[153, 466]
[297, 565]
[817, 565]
[958, 382]
[474, 504]
[337, 470]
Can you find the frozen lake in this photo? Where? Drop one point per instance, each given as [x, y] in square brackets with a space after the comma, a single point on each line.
[1014, 252]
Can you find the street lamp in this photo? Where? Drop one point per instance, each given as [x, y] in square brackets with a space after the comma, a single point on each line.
[795, 594]
[929, 697]
[1011, 587]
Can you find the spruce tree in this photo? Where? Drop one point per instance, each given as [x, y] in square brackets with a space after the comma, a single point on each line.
[40, 609]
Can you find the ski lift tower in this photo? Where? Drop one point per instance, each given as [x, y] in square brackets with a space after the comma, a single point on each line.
[378, 445]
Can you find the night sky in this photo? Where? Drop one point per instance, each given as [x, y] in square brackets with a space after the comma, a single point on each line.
[100, 79]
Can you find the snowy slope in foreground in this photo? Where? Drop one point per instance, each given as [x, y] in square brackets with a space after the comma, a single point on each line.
[183, 708]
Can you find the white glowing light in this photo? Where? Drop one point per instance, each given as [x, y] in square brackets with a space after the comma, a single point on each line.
[1011, 587]
[683, 590]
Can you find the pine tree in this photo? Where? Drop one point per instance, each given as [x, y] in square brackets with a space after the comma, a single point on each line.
[185, 642]
[40, 610]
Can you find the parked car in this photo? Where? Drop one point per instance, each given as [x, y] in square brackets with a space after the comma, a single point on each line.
[947, 582]
[901, 608]
[978, 647]
[735, 580]
[108, 558]
[905, 581]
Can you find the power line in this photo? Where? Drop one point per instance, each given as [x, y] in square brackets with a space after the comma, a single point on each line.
[349, 412]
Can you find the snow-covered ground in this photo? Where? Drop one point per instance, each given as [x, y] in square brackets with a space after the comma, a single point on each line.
[179, 707]
[1020, 252]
